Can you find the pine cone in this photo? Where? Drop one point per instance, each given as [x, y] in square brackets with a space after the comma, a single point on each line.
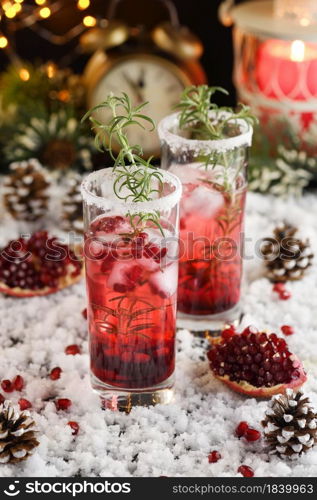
[73, 204]
[17, 436]
[290, 426]
[286, 257]
[25, 190]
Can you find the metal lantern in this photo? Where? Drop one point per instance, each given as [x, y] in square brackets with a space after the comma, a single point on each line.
[275, 67]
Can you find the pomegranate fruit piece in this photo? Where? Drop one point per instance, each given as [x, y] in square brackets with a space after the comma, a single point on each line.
[55, 373]
[24, 404]
[7, 386]
[287, 330]
[241, 429]
[63, 404]
[246, 471]
[74, 426]
[214, 456]
[39, 265]
[256, 364]
[72, 350]
[2, 399]
[252, 434]
[18, 383]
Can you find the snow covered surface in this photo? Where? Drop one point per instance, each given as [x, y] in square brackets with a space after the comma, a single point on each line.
[172, 440]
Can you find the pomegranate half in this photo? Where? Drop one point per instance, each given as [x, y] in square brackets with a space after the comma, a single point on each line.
[38, 265]
[256, 363]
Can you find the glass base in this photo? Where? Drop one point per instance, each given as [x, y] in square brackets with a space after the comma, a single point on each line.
[211, 324]
[121, 399]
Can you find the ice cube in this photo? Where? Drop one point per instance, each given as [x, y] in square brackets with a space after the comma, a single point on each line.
[165, 280]
[188, 172]
[203, 201]
[118, 274]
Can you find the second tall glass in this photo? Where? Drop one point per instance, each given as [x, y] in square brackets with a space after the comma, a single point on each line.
[214, 178]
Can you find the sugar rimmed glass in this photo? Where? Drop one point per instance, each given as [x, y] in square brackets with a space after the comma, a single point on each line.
[131, 288]
[214, 178]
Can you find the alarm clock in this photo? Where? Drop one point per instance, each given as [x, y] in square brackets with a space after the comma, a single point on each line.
[152, 67]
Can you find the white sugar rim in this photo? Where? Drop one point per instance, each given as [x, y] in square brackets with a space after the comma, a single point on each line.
[175, 141]
[166, 202]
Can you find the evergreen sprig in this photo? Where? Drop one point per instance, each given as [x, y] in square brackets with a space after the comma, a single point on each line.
[195, 106]
[136, 178]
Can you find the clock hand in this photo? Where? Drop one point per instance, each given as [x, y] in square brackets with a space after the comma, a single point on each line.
[141, 81]
[134, 86]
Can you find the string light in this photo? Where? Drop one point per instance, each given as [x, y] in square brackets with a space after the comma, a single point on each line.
[6, 5]
[3, 42]
[89, 21]
[23, 15]
[83, 4]
[50, 70]
[24, 74]
[45, 12]
[10, 12]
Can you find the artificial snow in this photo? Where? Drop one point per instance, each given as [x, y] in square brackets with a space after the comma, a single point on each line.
[172, 440]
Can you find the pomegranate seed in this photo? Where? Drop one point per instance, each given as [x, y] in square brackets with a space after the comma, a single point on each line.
[84, 313]
[252, 435]
[214, 456]
[241, 429]
[285, 295]
[246, 471]
[72, 350]
[55, 373]
[74, 426]
[279, 287]
[2, 399]
[228, 332]
[287, 330]
[120, 288]
[250, 329]
[63, 404]
[24, 404]
[18, 383]
[133, 275]
[7, 386]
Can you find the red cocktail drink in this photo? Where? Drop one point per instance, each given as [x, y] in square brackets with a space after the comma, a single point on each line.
[131, 287]
[210, 268]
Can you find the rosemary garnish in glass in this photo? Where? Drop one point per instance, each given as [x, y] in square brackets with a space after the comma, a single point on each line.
[203, 119]
[137, 180]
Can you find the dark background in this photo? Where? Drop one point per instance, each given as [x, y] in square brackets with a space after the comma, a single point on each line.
[201, 16]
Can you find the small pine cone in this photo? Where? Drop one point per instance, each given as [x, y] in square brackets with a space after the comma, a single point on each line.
[73, 204]
[286, 257]
[17, 435]
[290, 426]
[25, 190]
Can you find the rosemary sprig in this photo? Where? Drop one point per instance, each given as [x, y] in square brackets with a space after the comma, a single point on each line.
[136, 178]
[195, 106]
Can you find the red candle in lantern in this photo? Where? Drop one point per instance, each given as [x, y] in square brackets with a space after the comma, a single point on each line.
[286, 69]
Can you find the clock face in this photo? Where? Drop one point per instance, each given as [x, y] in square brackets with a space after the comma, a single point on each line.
[143, 78]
